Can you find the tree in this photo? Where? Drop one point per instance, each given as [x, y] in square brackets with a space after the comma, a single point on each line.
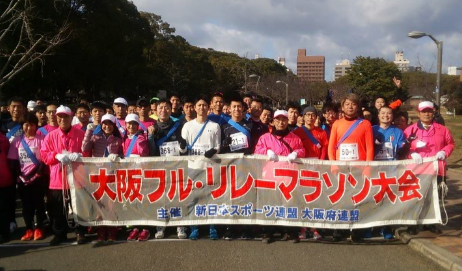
[28, 34]
[370, 77]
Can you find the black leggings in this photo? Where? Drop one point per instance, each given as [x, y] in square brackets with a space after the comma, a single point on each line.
[32, 198]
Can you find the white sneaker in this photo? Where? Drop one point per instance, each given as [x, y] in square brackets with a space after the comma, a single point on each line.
[13, 227]
[160, 233]
[181, 231]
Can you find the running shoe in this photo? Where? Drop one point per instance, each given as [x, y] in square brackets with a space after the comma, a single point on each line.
[133, 236]
[144, 235]
[29, 235]
[160, 232]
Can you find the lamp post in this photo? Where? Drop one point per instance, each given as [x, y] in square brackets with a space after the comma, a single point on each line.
[439, 45]
[258, 80]
[287, 90]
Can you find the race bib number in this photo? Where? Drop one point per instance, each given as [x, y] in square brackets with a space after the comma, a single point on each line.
[349, 152]
[238, 141]
[386, 152]
[199, 149]
[24, 158]
[170, 149]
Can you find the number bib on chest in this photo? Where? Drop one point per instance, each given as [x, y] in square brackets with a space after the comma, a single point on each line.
[238, 141]
[170, 149]
[349, 152]
[200, 149]
[386, 152]
[24, 158]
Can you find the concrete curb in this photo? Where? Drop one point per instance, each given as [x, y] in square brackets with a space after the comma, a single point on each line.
[437, 254]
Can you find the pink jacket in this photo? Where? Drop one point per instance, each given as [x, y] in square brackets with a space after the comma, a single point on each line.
[141, 147]
[6, 179]
[269, 141]
[437, 138]
[57, 142]
[95, 144]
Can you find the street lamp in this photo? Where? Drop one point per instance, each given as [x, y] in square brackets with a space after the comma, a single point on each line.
[258, 80]
[287, 90]
[439, 45]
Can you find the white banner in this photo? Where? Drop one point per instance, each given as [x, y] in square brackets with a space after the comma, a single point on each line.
[237, 189]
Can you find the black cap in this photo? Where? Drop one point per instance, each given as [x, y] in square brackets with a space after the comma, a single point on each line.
[141, 101]
[310, 109]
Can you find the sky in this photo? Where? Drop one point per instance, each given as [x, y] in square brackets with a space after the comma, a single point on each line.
[336, 29]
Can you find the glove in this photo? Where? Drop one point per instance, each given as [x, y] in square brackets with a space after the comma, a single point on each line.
[74, 156]
[210, 153]
[112, 157]
[227, 141]
[272, 156]
[417, 158]
[62, 158]
[182, 143]
[412, 136]
[91, 126]
[291, 157]
[441, 155]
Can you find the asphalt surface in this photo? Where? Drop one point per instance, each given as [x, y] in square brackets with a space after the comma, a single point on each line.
[204, 254]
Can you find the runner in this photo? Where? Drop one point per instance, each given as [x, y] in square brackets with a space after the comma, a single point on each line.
[82, 113]
[143, 109]
[351, 139]
[284, 143]
[314, 140]
[104, 142]
[202, 137]
[293, 109]
[52, 120]
[31, 175]
[430, 139]
[59, 148]
[388, 140]
[120, 108]
[135, 145]
[165, 139]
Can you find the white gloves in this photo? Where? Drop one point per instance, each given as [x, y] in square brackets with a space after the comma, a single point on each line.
[441, 155]
[74, 156]
[63, 158]
[417, 158]
[272, 156]
[91, 126]
[112, 157]
[291, 157]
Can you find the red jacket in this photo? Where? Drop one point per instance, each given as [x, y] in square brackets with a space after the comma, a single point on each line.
[311, 150]
[6, 178]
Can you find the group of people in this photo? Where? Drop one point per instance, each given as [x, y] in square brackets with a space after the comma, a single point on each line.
[35, 142]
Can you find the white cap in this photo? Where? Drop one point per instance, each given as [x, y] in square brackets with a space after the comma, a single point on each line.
[108, 117]
[281, 113]
[121, 100]
[64, 110]
[425, 105]
[132, 117]
[31, 105]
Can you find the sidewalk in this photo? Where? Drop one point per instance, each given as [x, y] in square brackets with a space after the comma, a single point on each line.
[444, 249]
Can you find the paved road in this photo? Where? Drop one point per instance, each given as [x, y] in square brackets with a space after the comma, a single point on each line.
[215, 255]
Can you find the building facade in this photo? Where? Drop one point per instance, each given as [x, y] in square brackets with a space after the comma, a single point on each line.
[310, 68]
[341, 69]
[401, 62]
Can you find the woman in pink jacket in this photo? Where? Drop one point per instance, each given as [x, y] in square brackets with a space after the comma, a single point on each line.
[135, 145]
[279, 142]
[140, 147]
[104, 141]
